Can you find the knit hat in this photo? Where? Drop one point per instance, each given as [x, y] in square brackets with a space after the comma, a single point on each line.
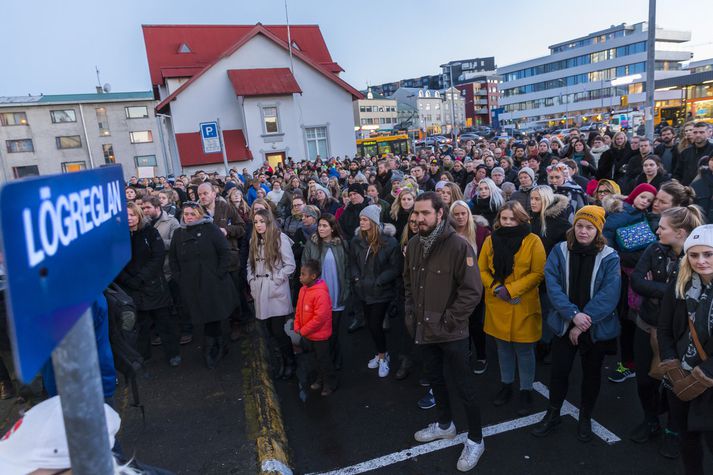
[593, 214]
[440, 185]
[545, 140]
[373, 212]
[397, 175]
[701, 236]
[614, 185]
[324, 189]
[467, 160]
[640, 188]
[529, 171]
[311, 211]
[356, 188]
[497, 170]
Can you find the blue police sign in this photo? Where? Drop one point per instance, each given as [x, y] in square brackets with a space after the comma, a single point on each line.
[210, 137]
[65, 238]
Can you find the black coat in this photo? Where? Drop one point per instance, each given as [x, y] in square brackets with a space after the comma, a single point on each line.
[481, 207]
[556, 223]
[687, 167]
[143, 278]
[660, 151]
[612, 163]
[663, 265]
[703, 186]
[672, 330]
[375, 276]
[200, 259]
[658, 180]
[349, 220]
[383, 184]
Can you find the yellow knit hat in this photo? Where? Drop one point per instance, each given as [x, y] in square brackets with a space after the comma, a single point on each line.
[593, 214]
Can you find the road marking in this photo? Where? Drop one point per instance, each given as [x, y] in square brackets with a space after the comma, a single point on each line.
[489, 431]
[569, 409]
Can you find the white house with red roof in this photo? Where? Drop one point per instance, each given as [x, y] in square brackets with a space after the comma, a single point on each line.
[273, 101]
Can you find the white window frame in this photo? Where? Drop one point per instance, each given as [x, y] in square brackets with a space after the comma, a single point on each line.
[317, 126]
[277, 115]
[133, 141]
[52, 116]
[128, 116]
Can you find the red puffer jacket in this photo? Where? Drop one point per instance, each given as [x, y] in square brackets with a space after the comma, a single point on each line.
[313, 315]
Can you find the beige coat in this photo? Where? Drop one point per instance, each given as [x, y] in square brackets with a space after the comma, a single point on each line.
[271, 288]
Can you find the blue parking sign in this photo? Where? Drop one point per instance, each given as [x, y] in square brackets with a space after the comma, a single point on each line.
[210, 137]
[65, 238]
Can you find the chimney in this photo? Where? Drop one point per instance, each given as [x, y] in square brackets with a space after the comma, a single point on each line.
[100, 90]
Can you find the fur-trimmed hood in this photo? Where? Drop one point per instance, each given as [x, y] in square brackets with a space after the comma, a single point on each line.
[557, 207]
[613, 203]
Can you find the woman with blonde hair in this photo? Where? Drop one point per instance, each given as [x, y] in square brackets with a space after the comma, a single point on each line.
[512, 264]
[401, 209]
[685, 337]
[612, 163]
[270, 265]
[450, 193]
[551, 215]
[237, 201]
[488, 200]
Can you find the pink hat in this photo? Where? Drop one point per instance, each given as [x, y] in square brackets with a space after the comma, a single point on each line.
[640, 188]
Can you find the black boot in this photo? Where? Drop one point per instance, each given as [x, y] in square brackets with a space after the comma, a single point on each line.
[525, 403]
[209, 353]
[289, 367]
[584, 429]
[551, 420]
[221, 349]
[645, 431]
[356, 324]
[504, 395]
[404, 369]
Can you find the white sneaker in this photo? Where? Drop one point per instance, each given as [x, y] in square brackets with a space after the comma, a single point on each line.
[470, 455]
[434, 432]
[374, 362]
[383, 368]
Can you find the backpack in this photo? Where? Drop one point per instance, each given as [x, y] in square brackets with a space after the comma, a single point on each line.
[123, 337]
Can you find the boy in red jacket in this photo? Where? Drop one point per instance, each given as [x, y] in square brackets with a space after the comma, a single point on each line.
[313, 320]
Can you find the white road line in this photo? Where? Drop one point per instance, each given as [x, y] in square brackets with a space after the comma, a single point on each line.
[396, 457]
[434, 446]
[569, 409]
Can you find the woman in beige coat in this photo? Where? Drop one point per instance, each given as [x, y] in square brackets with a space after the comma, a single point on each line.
[270, 264]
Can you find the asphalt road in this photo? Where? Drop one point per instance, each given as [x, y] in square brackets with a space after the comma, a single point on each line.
[369, 418]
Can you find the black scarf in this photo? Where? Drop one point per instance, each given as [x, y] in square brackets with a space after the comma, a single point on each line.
[581, 266]
[506, 243]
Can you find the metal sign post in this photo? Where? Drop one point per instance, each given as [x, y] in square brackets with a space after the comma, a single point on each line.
[76, 368]
[222, 143]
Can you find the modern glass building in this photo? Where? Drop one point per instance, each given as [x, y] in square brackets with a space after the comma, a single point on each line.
[587, 78]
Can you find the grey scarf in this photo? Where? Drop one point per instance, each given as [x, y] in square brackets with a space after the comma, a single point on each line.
[428, 241]
[700, 312]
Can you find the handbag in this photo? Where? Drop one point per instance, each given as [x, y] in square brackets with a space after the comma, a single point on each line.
[655, 371]
[635, 236]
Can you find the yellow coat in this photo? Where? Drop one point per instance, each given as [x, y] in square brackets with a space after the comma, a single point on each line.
[522, 322]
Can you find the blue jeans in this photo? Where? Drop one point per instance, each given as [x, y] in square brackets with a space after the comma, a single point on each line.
[525, 353]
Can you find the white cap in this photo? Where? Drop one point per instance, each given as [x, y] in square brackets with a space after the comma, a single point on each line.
[701, 236]
[38, 441]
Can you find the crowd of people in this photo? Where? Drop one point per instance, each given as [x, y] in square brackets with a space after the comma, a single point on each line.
[592, 244]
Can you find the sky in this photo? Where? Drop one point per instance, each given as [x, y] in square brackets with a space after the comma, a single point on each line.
[52, 47]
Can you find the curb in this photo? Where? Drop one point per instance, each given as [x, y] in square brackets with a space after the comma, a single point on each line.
[262, 408]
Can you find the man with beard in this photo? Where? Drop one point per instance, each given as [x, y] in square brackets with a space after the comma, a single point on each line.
[439, 260]
[518, 155]
[424, 181]
[383, 179]
[667, 150]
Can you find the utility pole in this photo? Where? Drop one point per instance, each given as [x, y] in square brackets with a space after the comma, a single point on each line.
[650, 69]
[453, 110]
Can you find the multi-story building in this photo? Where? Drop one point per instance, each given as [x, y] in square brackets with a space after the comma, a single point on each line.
[588, 76]
[453, 110]
[481, 97]
[64, 133]
[374, 113]
[687, 97]
[466, 71]
[433, 108]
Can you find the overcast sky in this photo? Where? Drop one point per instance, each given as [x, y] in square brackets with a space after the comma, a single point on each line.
[51, 47]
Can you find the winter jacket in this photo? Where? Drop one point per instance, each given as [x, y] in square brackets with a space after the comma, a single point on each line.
[660, 151]
[514, 322]
[200, 258]
[383, 183]
[522, 196]
[349, 220]
[471, 190]
[574, 194]
[142, 278]
[619, 215]
[658, 180]
[270, 288]
[663, 265]
[687, 166]
[442, 289]
[597, 153]
[166, 226]
[374, 276]
[481, 207]
[558, 218]
[604, 293]
[703, 186]
[672, 330]
[341, 257]
[291, 225]
[313, 314]
[612, 163]
[252, 194]
[227, 217]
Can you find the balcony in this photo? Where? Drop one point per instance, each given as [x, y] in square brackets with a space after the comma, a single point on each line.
[482, 111]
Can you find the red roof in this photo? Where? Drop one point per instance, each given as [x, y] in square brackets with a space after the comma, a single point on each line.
[190, 148]
[208, 42]
[179, 72]
[263, 82]
[259, 29]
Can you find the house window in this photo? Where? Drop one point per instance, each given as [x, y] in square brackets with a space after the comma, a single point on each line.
[60, 116]
[103, 122]
[142, 136]
[69, 141]
[27, 170]
[145, 160]
[109, 156]
[13, 118]
[316, 142]
[68, 167]
[137, 112]
[270, 120]
[19, 146]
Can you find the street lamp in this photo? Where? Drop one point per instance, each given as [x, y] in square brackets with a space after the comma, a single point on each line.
[453, 110]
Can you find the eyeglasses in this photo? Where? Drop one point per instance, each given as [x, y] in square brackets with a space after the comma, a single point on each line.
[603, 192]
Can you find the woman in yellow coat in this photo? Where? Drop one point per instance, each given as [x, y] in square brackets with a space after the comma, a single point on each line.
[512, 265]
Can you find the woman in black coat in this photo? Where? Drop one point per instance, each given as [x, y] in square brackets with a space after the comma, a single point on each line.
[612, 162]
[375, 266]
[656, 268]
[199, 259]
[686, 317]
[143, 279]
